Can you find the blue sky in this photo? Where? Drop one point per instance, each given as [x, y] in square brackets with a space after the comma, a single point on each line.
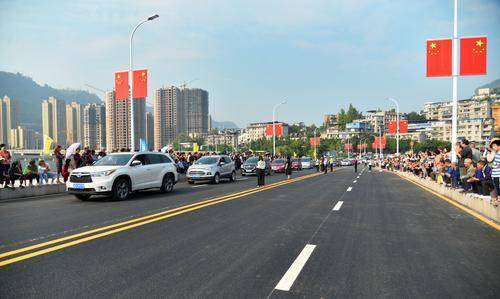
[249, 55]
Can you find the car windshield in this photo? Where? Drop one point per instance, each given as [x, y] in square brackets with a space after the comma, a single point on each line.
[252, 160]
[279, 161]
[306, 160]
[207, 160]
[114, 160]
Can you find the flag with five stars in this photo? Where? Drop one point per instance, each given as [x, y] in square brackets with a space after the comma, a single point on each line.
[473, 55]
[140, 84]
[121, 85]
[439, 57]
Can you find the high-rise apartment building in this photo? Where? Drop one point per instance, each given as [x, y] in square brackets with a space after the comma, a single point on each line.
[168, 115]
[74, 123]
[54, 120]
[195, 118]
[118, 122]
[23, 138]
[94, 126]
[8, 119]
[150, 131]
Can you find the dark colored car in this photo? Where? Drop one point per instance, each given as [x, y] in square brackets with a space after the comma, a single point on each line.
[250, 165]
[278, 165]
[335, 163]
[296, 164]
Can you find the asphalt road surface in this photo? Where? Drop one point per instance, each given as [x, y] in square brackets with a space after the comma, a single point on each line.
[339, 235]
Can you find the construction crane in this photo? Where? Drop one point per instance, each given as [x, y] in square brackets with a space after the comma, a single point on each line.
[98, 89]
[183, 86]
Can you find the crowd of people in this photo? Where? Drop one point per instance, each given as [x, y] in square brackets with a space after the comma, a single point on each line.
[40, 171]
[473, 171]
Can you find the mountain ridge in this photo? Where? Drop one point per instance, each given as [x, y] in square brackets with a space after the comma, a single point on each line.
[27, 92]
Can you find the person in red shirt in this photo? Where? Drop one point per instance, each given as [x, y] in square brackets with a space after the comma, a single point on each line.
[5, 160]
[66, 170]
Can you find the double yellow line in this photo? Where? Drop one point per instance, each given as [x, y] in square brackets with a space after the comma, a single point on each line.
[86, 236]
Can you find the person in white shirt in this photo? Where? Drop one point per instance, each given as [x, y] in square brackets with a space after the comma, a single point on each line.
[261, 172]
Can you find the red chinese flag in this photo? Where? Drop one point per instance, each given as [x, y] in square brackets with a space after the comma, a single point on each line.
[439, 57]
[140, 84]
[403, 126]
[473, 56]
[314, 141]
[278, 130]
[121, 85]
[392, 126]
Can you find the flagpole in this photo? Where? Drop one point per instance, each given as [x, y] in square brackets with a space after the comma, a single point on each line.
[454, 83]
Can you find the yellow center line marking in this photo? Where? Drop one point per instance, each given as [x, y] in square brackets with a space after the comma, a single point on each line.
[456, 204]
[130, 224]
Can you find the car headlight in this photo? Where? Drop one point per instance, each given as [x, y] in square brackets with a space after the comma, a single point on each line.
[209, 173]
[100, 174]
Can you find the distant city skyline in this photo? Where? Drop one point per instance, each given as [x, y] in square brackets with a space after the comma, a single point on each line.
[319, 55]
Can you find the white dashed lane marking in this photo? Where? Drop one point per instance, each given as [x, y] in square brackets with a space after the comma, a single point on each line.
[349, 189]
[293, 272]
[337, 206]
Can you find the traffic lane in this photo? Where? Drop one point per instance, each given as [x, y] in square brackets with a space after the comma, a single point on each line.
[25, 222]
[392, 239]
[235, 249]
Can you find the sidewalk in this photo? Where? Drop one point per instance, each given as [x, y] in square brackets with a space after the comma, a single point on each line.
[475, 202]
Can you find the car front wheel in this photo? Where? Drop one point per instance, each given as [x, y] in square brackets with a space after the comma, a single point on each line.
[121, 189]
[233, 177]
[216, 179]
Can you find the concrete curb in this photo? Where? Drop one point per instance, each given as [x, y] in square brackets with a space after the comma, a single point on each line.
[41, 190]
[475, 203]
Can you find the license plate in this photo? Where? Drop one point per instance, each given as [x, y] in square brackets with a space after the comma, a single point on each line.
[79, 186]
[248, 170]
[195, 175]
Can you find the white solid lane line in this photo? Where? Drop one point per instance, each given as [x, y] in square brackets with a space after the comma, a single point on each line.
[354, 181]
[242, 179]
[349, 189]
[291, 274]
[197, 186]
[337, 206]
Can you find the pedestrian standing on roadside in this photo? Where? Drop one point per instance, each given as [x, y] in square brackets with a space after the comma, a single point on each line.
[5, 160]
[66, 169]
[325, 165]
[370, 164]
[493, 157]
[317, 164]
[261, 172]
[288, 167]
[331, 164]
[58, 156]
[355, 164]
[77, 159]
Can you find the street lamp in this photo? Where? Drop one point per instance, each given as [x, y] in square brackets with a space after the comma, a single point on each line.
[397, 124]
[131, 85]
[274, 126]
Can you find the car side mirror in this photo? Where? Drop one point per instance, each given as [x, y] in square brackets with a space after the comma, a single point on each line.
[136, 163]
[221, 163]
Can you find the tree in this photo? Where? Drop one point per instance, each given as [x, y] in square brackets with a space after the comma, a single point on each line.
[415, 117]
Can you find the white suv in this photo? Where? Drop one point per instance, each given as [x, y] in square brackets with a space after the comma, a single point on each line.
[119, 174]
[211, 168]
